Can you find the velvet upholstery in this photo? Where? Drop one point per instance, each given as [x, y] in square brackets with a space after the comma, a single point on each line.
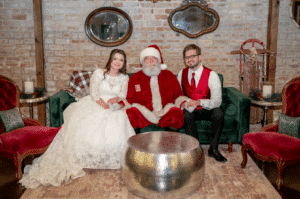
[269, 144]
[235, 105]
[22, 142]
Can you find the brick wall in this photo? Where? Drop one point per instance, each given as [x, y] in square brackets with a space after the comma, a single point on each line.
[67, 47]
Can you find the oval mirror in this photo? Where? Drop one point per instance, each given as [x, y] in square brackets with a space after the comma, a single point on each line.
[193, 20]
[108, 26]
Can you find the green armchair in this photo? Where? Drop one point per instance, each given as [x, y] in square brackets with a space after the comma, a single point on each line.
[235, 105]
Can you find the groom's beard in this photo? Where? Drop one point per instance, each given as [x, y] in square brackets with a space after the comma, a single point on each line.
[153, 71]
[194, 65]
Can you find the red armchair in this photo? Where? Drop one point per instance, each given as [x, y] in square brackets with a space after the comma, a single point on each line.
[31, 139]
[268, 144]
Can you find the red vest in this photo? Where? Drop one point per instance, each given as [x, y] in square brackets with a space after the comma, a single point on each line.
[202, 91]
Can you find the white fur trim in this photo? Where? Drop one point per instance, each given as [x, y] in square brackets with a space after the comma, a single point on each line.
[181, 99]
[163, 66]
[150, 116]
[156, 98]
[165, 110]
[150, 52]
[127, 105]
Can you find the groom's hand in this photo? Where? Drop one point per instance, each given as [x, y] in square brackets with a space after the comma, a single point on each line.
[193, 103]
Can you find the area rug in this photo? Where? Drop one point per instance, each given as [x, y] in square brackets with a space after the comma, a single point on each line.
[222, 180]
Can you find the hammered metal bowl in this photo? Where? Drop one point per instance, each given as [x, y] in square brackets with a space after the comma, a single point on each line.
[162, 164]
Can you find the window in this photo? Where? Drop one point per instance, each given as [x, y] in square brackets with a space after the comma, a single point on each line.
[295, 11]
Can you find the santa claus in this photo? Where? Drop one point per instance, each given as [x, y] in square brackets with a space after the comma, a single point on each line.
[154, 94]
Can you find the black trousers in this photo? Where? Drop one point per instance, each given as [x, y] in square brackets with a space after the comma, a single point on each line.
[216, 116]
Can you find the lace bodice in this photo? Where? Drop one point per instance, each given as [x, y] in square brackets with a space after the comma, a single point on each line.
[108, 87]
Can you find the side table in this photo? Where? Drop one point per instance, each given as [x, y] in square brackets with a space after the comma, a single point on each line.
[33, 100]
[265, 105]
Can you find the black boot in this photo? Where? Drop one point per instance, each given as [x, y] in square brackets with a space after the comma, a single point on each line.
[137, 130]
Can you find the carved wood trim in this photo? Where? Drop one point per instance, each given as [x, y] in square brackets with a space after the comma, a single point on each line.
[155, 1]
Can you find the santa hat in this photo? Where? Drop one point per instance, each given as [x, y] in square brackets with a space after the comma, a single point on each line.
[153, 50]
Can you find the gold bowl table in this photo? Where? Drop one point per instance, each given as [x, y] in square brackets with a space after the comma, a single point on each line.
[162, 164]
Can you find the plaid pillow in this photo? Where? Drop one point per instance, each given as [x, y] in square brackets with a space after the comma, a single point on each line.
[79, 80]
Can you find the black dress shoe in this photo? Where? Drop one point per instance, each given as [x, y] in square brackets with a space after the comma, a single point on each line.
[137, 130]
[217, 155]
[171, 129]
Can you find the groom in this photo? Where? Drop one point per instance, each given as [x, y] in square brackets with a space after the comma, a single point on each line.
[203, 87]
[154, 94]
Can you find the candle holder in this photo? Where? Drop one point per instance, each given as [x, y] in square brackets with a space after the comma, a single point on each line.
[28, 85]
[267, 89]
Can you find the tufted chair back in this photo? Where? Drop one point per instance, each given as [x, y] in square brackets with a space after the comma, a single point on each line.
[9, 94]
[291, 98]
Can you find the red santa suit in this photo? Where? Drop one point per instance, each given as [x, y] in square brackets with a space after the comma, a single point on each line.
[155, 100]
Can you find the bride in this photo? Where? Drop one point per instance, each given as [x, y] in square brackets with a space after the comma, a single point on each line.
[94, 132]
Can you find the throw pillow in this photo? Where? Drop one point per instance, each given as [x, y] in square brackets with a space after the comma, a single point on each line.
[289, 125]
[82, 93]
[79, 80]
[11, 119]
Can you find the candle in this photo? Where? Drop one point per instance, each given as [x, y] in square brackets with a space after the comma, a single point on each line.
[267, 90]
[28, 87]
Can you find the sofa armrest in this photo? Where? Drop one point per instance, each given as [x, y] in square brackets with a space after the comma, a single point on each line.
[273, 127]
[31, 122]
[243, 104]
[57, 104]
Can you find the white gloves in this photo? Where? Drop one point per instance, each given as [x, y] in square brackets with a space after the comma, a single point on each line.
[114, 107]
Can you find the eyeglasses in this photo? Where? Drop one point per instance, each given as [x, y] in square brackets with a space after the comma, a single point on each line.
[192, 57]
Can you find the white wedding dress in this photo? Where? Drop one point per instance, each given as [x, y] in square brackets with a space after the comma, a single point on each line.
[91, 137]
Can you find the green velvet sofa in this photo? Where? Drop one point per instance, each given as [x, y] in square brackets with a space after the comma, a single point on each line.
[235, 105]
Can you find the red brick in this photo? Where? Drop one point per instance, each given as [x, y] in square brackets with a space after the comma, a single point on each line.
[147, 28]
[157, 41]
[163, 17]
[19, 16]
[168, 11]
[77, 41]
[142, 41]
[162, 29]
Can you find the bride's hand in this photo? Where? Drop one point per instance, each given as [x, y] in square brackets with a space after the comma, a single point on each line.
[102, 103]
[113, 100]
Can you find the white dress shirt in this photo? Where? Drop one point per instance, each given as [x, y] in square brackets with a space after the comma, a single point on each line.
[214, 85]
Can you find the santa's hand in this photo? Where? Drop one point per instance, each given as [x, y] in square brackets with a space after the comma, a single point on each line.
[193, 103]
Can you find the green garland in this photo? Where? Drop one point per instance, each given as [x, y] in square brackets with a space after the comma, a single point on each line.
[255, 94]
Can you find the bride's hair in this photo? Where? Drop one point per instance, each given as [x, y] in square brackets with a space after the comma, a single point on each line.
[112, 54]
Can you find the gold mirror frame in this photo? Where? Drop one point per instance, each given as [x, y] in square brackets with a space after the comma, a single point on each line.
[120, 14]
[201, 32]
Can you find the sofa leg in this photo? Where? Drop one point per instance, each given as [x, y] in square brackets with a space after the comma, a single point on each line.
[18, 165]
[230, 147]
[244, 154]
[280, 167]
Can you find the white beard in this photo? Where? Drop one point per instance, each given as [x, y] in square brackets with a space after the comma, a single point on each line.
[151, 72]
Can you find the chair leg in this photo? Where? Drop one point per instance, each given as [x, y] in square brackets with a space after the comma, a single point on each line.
[244, 154]
[280, 167]
[18, 165]
[230, 147]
